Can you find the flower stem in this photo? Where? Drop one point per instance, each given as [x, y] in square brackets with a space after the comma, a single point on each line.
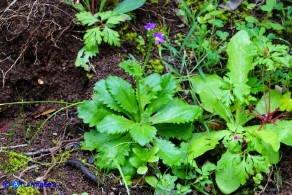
[148, 54]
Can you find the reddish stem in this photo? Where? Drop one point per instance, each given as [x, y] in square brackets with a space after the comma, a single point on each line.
[92, 7]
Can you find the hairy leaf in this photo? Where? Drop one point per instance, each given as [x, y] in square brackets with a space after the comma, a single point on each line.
[114, 124]
[176, 111]
[123, 93]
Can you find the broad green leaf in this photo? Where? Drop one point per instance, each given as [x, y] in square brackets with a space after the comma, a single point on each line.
[149, 86]
[116, 19]
[123, 93]
[211, 95]
[86, 18]
[168, 89]
[111, 37]
[226, 178]
[176, 111]
[203, 142]
[284, 131]
[114, 124]
[239, 63]
[92, 112]
[131, 67]
[92, 38]
[272, 25]
[286, 102]
[136, 161]
[269, 137]
[128, 5]
[169, 154]
[262, 106]
[128, 169]
[114, 151]
[152, 181]
[251, 19]
[94, 140]
[142, 170]
[178, 131]
[268, 7]
[142, 133]
[104, 96]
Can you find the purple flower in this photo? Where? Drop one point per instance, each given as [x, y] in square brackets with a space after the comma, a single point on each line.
[150, 26]
[159, 38]
[236, 137]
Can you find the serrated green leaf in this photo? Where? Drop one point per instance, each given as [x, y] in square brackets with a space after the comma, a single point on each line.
[211, 94]
[169, 154]
[86, 18]
[83, 56]
[168, 89]
[131, 67]
[142, 133]
[105, 15]
[286, 102]
[176, 111]
[123, 93]
[114, 151]
[116, 19]
[104, 96]
[149, 86]
[92, 38]
[94, 140]
[128, 5]
[114, 124]
[178, 131]
[92, 112]
[111, 37]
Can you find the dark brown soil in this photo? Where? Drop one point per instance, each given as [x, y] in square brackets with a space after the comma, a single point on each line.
[39, 41]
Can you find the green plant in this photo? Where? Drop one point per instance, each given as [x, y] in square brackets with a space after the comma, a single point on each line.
[101, 25]
[250, 150]
[266, 22]
[132, 127]
[201, 47]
